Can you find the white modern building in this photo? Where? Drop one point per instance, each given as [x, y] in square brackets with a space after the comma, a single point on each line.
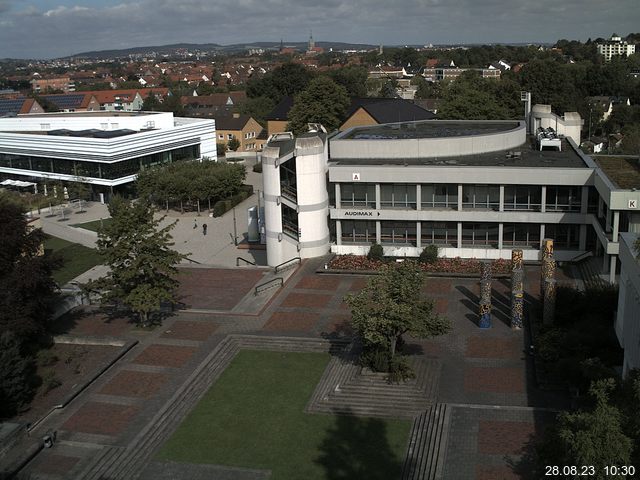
[103, 149]
[628, 317]
[476, 189]
[615, 46]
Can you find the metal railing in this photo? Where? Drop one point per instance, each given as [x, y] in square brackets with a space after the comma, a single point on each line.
[274, 282]
[249, 262]
[287, 264]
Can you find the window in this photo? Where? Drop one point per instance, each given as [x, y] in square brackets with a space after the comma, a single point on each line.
[398, 196]
[565, 236]
[358, 195]
[521, 235]
[482, 197]
[358, 231]
[479, 234]
[220, 137]
[229, 136]
[522, 197]
[398, 233]
[290, 222]
[439, 233]
[288, 180]
[564, 199]
[439, 196]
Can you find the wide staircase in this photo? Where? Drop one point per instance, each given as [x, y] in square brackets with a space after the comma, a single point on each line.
[427, 444]
[590, 269]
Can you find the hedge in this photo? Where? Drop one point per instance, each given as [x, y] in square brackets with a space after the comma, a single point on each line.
[223, 206]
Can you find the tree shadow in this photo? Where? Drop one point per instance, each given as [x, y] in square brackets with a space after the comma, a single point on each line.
[358, 448]
[526, 464]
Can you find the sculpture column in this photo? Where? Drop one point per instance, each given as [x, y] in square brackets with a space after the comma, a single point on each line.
[517, 289]
[548, 282]
[485, 295]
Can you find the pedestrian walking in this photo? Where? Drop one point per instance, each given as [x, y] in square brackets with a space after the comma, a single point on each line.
[204, 229]
[195, 223]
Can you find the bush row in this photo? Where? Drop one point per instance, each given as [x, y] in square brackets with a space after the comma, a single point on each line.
[223, 206]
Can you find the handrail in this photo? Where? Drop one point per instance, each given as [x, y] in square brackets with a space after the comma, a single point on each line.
[274, 282]
[582, 256]
[282, 266]
[244, 260]
[193, 261]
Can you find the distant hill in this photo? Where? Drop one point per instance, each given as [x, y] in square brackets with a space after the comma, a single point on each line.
[214, 47]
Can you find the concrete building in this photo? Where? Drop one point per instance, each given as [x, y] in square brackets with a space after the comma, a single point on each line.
[615, 46]
[42, 85]
[476, 189]
[241, 127]
[103, 149]
[627, 323]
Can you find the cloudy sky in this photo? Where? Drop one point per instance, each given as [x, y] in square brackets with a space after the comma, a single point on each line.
[53, 28]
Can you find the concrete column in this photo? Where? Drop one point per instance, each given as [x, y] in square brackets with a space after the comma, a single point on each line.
[459, 197]
[543, 201]
[500, 232]
[459, 234]
[501, 208]
[419, 234]
[378, 201]
[608, 221]
[605, 261]
[583, 238]
[338, 204]
[541, 233]
[338, 232]
[612, 269]
[584, 200]
[418, 197]
[600, 206]
[378, 231]
[616, 225]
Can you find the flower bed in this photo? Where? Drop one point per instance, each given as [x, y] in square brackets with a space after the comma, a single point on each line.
[468, 266]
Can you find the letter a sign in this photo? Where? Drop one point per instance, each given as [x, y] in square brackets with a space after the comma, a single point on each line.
[355, 177]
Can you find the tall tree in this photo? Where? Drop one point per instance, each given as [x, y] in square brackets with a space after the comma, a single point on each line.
[323, 101]
[15, 372]
[286, 80]
[142, 264]
[26, 285]
[392, 305]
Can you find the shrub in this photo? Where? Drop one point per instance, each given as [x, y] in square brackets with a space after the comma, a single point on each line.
[399, 369]
[46, 358]
[258, 167]
[375, 359]
[49, 381]
[15, 372]
[218, 209]
[429, 254]
[376, 252]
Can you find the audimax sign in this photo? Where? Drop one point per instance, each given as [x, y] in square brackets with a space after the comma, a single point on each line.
[360, 213]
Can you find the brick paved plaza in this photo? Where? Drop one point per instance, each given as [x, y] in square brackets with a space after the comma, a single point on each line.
[485, 375]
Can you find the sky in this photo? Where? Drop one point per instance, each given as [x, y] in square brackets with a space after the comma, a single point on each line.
[56, 28]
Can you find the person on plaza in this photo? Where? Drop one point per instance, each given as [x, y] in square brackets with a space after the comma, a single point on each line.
[204, 229]
[195, 223]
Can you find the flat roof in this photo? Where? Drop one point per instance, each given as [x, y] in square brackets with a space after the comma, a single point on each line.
[528, 157]
[101, 113]
[428, 129]
[624, 172]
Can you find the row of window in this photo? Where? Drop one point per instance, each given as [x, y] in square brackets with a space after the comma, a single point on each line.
[445, 234]
[109, 171]
[483, 197]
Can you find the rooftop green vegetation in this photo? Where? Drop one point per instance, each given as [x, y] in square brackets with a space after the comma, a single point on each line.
[623, 171]
[253, 417]
[76, 258]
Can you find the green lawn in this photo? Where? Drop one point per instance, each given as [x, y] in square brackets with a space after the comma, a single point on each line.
[253, 417]
[94, 225]
[77, 258]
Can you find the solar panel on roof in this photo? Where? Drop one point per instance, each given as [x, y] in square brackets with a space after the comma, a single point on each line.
[10, 106]
[66, 101]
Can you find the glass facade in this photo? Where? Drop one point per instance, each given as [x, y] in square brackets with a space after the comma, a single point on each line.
[443, 234]
[482, 197]
[288, 180]
[398, 233]
[563, 199]
[521, 235]
[290, 221]
[358, 231]
[109, 171]
[358, 195]
[398, 195]
[439, 196]
[481, 234]
[565, 236]
[523, 197]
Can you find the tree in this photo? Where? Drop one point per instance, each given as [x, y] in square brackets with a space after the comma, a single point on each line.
[286, 80]
[233, 144]
[392, 305]
[151, 103]
[323, 101]
[15, 372]
[142, 265]
[389, 89]
[258, 108]
[353, 78]
[26, 284]
[589, 437]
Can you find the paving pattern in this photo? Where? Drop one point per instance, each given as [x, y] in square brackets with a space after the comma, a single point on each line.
[474, 403]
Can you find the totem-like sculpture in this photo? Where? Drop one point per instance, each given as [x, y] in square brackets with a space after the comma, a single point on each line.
[517, 289]
[485, 295]
[547, 282]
